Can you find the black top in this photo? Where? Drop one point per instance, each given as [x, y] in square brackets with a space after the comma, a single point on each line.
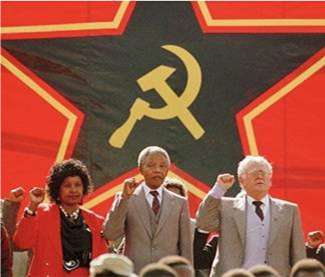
[76, 242]
[316, 253]
[204, 252]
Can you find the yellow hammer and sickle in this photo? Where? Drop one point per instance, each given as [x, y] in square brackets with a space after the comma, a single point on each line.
[176, 106]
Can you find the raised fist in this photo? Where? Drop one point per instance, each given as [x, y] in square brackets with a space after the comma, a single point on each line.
[16, 195]
[225, 181]
[129, 187]
[36, 195]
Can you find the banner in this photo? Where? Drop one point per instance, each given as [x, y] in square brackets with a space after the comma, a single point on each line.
[208, 81]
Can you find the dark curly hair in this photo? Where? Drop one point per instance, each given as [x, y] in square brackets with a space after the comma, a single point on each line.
[62, 170]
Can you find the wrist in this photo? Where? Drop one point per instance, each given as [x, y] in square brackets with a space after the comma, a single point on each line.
[29, 212]
[217, 191]
[125, 196]
[223, 187]
[32, 206]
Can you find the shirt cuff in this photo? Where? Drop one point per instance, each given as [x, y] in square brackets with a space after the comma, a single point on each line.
[202, 231]
[217, 191]
[28, 212]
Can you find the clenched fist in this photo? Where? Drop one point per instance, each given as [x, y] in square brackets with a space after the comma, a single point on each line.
[36, 196]
[129, 187]
[16, 195]
[225, 181]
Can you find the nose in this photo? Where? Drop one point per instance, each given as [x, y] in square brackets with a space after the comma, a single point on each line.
[260, 173]
[73, 188]
[157, 168]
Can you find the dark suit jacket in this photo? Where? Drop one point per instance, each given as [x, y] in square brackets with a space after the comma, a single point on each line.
[204, 251]
[316, 253]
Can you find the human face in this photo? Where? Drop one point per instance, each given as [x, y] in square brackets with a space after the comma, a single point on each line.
[71, 191]
[256, 180]
[154, 170]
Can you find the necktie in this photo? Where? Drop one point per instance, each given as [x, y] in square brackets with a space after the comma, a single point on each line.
[155, 202]
[258, 209]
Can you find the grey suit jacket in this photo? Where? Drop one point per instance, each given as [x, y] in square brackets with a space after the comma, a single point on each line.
[131, 218]
[228, 216]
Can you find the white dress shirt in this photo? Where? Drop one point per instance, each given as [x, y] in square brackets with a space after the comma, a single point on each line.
[149, 196]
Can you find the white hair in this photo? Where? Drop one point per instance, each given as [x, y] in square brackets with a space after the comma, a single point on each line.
[245, 163]
[152, 150]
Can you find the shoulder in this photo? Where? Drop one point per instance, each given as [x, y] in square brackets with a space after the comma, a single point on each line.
[8, 208]
[284, 203]
[174, 195]
[47, 208]
[47, 212]
[90, 214]
[9, 203]
[231, 201]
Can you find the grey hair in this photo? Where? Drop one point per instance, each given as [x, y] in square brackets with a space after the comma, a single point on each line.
[152, 150]
[249, 160]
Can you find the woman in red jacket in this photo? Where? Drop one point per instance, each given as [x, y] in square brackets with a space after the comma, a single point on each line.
[63, 236]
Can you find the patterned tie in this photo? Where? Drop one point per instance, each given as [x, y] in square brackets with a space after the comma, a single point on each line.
[258, 209]
[155, 202]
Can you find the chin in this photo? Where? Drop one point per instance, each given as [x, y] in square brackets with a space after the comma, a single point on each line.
[72, 203]
[154, 185]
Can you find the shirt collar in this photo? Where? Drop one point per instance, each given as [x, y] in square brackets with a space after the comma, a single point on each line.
[147, 189]
[264, 200]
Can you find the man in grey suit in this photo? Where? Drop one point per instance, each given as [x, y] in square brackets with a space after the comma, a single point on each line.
[155, 221]
[255, 228]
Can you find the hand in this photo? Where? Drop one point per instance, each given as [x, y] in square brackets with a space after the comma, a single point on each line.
[129, 187]
[225, 181]
[36, 196]
[17, 195]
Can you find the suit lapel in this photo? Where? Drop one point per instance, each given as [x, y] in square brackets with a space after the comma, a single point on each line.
[141, 207]
[167, 206]
[240, 216]
[275, 209]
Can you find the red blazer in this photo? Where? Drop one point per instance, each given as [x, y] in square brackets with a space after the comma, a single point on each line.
[42, 234]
